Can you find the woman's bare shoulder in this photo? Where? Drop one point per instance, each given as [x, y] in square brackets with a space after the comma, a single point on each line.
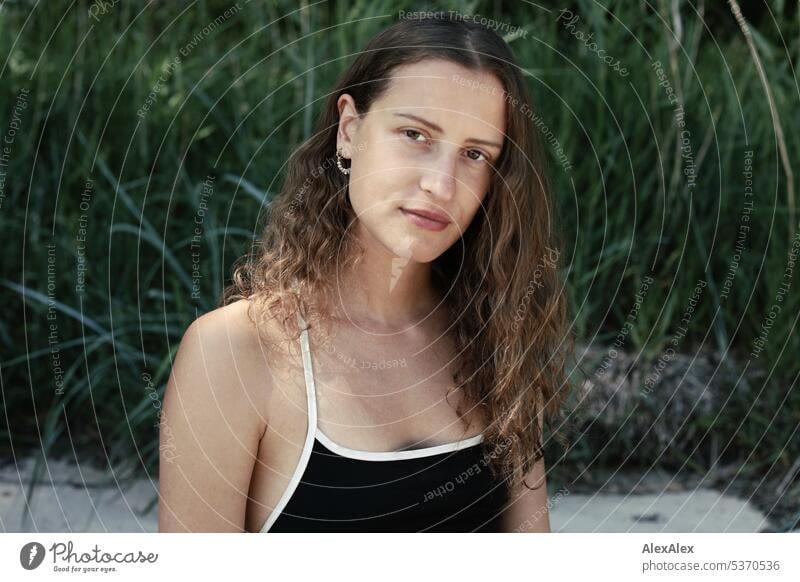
[232, 319]
[227, 345]
[233, 326]
[213, 417]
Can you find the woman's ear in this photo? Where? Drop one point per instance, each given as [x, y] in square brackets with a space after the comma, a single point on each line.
[348, 125]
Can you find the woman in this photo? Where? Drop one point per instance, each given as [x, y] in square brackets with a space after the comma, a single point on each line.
[411, 258]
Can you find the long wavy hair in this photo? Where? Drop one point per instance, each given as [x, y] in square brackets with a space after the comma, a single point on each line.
[504, 295]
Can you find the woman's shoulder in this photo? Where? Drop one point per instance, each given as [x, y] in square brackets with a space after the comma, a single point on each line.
[213, 416]
[223, 332]
[227, 352]
[233, 317]
[234, 326]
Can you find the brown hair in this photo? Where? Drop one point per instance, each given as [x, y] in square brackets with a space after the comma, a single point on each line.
[505, 298]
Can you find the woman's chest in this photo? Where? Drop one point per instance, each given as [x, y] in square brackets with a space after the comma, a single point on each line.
[382, 392]
[367, 397]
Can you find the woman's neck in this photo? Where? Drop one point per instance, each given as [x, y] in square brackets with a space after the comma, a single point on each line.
[384, 293]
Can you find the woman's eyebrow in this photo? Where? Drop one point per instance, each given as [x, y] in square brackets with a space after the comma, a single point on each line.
[435, 127]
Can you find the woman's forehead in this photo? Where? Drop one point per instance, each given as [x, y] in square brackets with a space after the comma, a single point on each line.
[452, 96]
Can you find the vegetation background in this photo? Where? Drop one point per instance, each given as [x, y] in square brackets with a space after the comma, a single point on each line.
[117, 112]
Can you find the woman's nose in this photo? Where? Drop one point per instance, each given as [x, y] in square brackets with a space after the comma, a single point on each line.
[438, 177]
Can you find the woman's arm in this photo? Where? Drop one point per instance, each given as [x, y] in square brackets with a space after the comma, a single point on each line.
[527, 509]
[209, 430]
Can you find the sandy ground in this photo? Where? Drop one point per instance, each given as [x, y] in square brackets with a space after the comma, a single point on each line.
[79, 499]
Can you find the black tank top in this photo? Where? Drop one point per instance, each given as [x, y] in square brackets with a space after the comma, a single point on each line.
[445, 488]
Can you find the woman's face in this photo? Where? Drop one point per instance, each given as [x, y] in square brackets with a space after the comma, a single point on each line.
[428, 144]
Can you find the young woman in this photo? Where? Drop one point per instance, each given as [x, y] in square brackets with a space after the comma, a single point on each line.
[386, 358]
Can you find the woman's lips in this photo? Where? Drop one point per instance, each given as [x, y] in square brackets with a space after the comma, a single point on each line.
[424, 221]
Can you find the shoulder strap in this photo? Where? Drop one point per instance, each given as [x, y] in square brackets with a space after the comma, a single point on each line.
[308, 372]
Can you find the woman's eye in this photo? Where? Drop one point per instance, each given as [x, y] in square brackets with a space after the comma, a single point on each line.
[414, 134]
[474, 155]
[479, 155]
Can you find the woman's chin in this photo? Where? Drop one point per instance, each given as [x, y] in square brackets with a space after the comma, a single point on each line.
[418, 255]
[410, 246]
[405, 251]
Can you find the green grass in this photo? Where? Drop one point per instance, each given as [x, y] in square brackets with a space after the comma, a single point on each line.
[248, 93]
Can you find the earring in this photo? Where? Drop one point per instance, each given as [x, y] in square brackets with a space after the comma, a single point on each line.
[342, 169]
